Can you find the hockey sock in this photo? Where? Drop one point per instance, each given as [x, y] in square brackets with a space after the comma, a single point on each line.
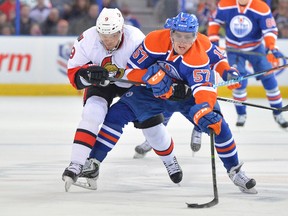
[226, 147]
[273, 93]
[79, 153]
[160, 140]
[107, 138]
[241, 95]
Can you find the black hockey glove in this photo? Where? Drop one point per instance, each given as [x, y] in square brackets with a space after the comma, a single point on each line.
[180, 92]
[95, 75]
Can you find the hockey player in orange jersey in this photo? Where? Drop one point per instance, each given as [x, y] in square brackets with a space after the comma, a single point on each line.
[166, 58]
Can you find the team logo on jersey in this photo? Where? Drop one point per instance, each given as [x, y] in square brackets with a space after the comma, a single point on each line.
[64, 51]
[113, 70]
[129, 94]
[170, 70]
[240, 26]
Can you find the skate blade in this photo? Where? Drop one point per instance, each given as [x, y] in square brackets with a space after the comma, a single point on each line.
[138, 156]
[68, 182]
[195, 147]
[90, 184]
[248, 191]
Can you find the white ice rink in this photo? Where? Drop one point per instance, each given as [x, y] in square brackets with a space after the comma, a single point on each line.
[36, 136]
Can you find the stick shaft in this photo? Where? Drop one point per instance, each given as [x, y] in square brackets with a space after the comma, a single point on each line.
[215, 190]
[250, 104]
[229, 82]
[249, 52]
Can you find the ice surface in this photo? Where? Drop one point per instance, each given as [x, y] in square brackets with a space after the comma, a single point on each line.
[36, 135]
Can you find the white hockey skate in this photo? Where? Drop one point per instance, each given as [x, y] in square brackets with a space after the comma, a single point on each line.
[281, 121]
[245, 184]
[241, 119]
[89, 175]
[71, 174]
[174, 170]
[141, 150]
[195, 140]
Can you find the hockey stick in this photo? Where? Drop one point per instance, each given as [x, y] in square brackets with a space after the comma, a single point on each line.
[215, 190]
[225, 83]
[113, 79]
[250, 52]
[239, 79]
[282, 109]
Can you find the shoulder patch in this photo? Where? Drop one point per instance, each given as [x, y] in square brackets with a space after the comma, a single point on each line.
[227, 3]
[260, 6]
[80, 37]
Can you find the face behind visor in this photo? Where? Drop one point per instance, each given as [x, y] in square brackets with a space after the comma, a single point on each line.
[109, 26]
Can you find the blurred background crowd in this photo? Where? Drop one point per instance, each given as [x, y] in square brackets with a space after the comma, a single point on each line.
[72, 17]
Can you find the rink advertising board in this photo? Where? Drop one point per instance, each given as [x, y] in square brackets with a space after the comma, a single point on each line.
[37, 66]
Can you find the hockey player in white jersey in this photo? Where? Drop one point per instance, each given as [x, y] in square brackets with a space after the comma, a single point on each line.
[101, 51]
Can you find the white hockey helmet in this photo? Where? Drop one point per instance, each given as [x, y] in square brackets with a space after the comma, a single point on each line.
[110, 21]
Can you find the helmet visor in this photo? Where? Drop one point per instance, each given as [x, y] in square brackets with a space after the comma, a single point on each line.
[114, 36]
[183, 37]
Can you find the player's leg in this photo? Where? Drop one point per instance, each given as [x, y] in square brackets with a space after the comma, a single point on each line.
[93, 114]
[142, 149]
[107, 138]
[239, 93]
[270, 85]
[227, 151]
[195, 143]
[132, 106]
[96, 103]
[163, 145]
[275, 99]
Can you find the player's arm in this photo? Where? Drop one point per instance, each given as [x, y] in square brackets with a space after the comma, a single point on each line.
[80, 72]
[205, 96]
[270, 34]
[87, 75]
[140, 60]
[219, 63]
[214, 25]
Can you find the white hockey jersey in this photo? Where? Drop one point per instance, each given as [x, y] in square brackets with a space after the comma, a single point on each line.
[88, 49]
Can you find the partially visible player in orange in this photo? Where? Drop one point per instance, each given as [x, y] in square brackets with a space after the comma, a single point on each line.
[247, 24]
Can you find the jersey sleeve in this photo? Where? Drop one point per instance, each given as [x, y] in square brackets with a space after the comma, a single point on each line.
[138, 63]
[214, 25]
[269, 30]
[218, 60]
[77, 59]
[202, 89]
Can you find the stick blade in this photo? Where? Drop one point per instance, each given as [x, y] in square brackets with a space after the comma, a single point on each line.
[204, 205]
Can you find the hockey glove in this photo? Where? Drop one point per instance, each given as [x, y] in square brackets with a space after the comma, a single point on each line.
[180, 92]
[276, 53]
[231, 74]
[205, 118]
[94, 75]
[160, 83]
